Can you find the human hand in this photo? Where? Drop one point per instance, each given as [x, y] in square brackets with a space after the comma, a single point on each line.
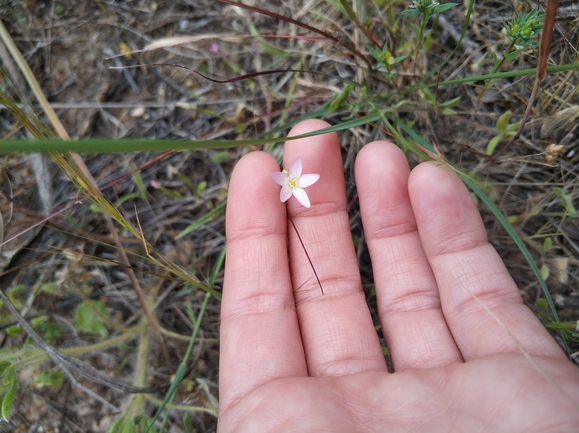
[468, 354]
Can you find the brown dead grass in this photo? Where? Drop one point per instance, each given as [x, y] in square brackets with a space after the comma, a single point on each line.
[69, 44]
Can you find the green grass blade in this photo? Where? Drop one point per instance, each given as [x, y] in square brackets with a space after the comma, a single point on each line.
[182, 369]
[509, 74]
[102, 145]
[202, 220]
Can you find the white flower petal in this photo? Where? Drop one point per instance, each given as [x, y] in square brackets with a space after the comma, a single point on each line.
[280, 178]
[292, 182]
[307, 180]
[295, 170]
[302, 197]
[285, 193]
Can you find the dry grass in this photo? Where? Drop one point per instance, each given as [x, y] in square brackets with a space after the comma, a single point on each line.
[70, 47]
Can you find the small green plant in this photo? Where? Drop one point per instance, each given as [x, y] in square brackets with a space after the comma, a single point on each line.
[521, 32]
[425, 9]
[524, 27]
[445, 107]
[566, 202]
[506, 131]
[91, 316]
[49, 378]
[384, 57]
[547, 246]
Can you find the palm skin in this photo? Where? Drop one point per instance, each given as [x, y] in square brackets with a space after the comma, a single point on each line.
[468, 354]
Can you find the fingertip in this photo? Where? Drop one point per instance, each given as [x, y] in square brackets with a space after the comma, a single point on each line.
[432, 181]
[254, 196]
[376, 146]
[381, 176]
[436, 170]
[254, 161]
[447, 216]
[309, 125]
[378, 154]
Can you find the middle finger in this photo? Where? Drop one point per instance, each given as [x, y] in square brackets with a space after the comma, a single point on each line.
[337, 330]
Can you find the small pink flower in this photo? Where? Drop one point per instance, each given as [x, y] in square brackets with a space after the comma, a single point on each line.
[214, 47]
[293, 183]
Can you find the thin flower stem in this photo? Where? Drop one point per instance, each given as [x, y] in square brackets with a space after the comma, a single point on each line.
[307, 255]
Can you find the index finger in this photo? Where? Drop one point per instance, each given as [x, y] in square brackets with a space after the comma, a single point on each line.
[260, 335]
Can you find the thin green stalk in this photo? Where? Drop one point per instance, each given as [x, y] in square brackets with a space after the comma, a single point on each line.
[141, 371]
[496, 67]
[182, 369]
[508, 74]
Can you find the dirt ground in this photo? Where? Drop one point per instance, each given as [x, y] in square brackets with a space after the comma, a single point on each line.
[73, 49]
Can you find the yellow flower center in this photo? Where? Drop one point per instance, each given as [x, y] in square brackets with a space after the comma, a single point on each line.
[293, 183]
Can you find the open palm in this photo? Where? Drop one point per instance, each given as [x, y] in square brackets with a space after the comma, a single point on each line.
[468, 354]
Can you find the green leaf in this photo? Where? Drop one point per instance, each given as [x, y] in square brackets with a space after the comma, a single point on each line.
[494, 143]
[512, 56]
[10, 394]
[140, 184]
[50, 288]
[89, 316]
[503, 121]
[185, 180]
[200, 188]
[220, 157]
[512, 129]
[411, 13]
[49, 378]
[37, 321]
[3, 366]
[547, 244]
[527, 43]
[428, 96]
[127, 197]
[428, 40]
[545, 271]
[566, 202]
[117, 425]
[400, 58]
[128, 427]
[441, 8]
[14, 329]
[373, 50]
[337, 102]
[451, 103]
[13, 295]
